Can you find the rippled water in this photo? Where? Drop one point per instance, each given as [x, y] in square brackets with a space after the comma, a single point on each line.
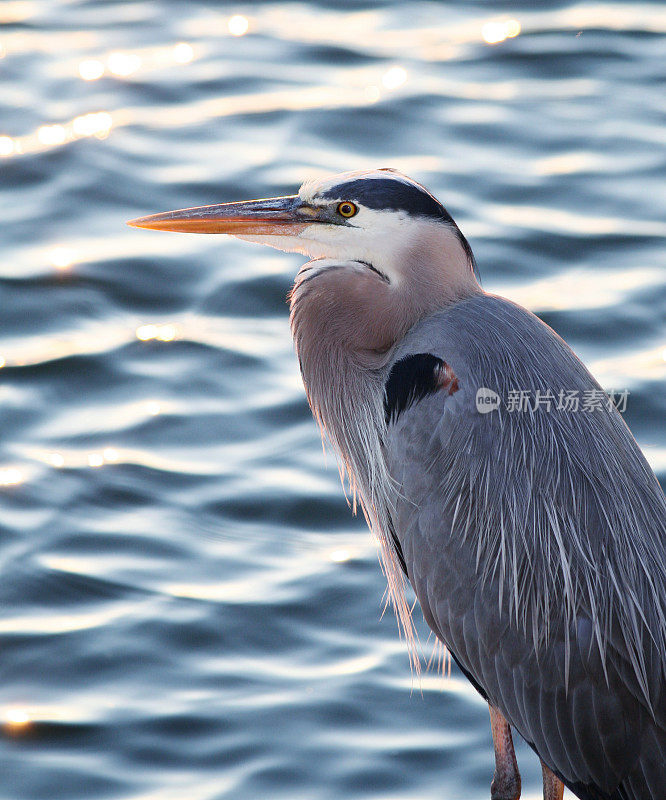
[187, 608]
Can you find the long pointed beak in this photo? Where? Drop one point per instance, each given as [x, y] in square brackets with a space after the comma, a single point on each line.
[276, 215]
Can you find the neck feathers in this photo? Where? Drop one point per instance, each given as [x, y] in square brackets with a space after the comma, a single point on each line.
[347, 401]
[346, 319]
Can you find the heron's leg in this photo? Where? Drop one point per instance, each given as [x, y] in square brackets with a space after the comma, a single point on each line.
[506, 780]
[553, 788]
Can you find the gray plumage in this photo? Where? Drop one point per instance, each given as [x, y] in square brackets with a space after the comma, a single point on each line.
[535, 540]
[536, 545]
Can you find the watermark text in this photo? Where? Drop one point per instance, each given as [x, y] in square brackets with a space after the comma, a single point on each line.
[567, 400]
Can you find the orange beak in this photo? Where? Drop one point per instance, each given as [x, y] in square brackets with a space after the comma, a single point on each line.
[276, 215]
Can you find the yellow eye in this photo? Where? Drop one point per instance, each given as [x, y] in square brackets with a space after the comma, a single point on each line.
[347, 209]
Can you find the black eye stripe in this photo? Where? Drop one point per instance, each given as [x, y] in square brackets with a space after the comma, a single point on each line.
[390, 194]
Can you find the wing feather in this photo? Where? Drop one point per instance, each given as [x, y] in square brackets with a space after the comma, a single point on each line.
[536, 544]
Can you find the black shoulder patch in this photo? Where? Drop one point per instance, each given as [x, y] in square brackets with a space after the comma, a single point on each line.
[413, 378]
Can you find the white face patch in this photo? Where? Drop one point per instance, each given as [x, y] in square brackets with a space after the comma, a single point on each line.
[385, 239]
[402, 246]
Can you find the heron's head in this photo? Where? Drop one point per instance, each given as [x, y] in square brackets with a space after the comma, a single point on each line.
[379, 220]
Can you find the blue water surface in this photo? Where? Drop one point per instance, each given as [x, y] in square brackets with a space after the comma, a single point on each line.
[187, 607]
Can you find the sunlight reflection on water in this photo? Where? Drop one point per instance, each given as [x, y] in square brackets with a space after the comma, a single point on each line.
[188, 608]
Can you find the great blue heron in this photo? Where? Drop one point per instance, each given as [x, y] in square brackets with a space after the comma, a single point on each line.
[531, 528]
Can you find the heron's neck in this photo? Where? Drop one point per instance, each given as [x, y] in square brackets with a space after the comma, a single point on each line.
[346, 397]
[352, 313]
[346, 320]
[347, 317]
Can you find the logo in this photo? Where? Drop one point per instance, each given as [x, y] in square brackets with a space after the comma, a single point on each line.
[486, 400]
[531, 401]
